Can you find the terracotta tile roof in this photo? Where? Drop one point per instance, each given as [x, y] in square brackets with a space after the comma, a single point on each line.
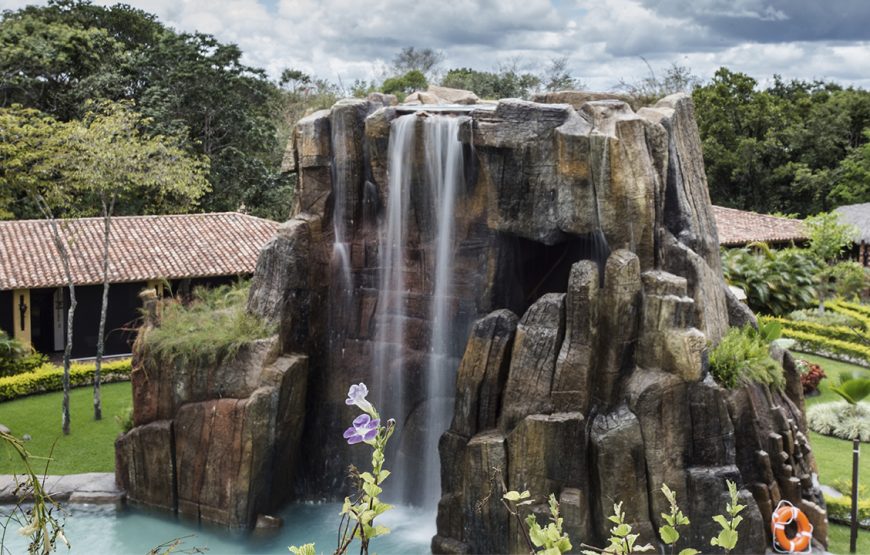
[142, 248]
[739, 227]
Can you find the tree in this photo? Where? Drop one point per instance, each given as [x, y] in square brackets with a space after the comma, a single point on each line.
[505, 82]
[556, 76]
[111, 159]
[32, 147]
[651, 88]
[425, 60]
[828, 239]
[56, 57]
[411, 81]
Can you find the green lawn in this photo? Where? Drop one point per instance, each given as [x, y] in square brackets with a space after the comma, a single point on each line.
[834, 456]
[90, 447]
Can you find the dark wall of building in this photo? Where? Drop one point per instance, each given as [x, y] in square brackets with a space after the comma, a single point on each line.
[6, 312]
[122, 318]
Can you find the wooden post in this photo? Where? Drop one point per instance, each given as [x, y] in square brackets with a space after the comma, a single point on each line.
[856, 456]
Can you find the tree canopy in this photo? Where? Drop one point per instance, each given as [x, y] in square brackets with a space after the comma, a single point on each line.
[55, 58]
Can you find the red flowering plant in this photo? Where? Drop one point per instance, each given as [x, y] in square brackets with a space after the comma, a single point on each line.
[811, 375]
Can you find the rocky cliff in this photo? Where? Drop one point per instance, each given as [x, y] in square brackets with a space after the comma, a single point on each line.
[584, 293]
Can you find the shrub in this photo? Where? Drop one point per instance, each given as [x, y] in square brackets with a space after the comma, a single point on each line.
[49, 377]
[826, 318]
[775, 281]
[212, 327]
[840, 333]
[840, 510]
[840, 419]
[811, 375]
[16, 357]
[849, 279]
[743, 356]
[855, 311]
[826, 346]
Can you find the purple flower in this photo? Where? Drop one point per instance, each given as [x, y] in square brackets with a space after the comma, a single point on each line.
[356, 395]
[364, 428]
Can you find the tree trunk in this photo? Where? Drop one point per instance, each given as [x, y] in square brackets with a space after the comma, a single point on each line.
[64, 255]
[104, 307]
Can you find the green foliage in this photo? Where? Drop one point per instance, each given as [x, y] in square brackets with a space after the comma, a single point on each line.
[828, 237]
[743, 357]
[727, 538]
[213, 327]
[187, 85]
[849, 279]
[775, 281]
[839, 333]
[34, 511]
[853, 390]
[125, 419]
[17, 358]
[840, 510]
[49, 377]
[826, 318]
[401, 85]
[826, 346]
[839, 419]
[505, 82]
[858, 312]
[550, 540]
[673, 519]
[307, 549]
[621, 541]
[784, 148]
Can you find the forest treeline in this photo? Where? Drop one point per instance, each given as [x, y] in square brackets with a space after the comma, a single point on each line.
[793, 147]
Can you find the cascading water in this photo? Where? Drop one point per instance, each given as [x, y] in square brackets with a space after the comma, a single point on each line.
[340, 170]
[390, 313]
[445, 165]
[441, 171]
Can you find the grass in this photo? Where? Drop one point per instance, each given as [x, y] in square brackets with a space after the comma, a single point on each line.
[214, 326]
[834, 456]
[90, 447]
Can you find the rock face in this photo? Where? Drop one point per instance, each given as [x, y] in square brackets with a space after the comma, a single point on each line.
[586, 291]
[219, 443]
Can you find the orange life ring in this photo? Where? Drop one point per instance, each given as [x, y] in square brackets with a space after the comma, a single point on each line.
[785, 514]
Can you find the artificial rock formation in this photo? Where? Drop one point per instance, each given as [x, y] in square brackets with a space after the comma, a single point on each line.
[215, 443]
[585, 293]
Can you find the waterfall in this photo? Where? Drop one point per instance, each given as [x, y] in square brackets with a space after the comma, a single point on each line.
[445, 165]
[340, 178]
[418, 474]
[390, 312]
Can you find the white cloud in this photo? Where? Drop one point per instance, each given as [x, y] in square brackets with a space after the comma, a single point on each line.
[603, 39]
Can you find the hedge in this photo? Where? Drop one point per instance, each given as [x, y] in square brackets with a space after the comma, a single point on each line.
[856, 307]
[840, 333]
[826, 346]
[840, 510]
[852, 310]
[49, 377]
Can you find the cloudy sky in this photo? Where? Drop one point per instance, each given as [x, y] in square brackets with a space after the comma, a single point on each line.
[604, 40]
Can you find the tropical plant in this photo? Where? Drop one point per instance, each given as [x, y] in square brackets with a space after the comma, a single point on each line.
[811, 375]
[673, 520]
[840, 420]
[775, 281]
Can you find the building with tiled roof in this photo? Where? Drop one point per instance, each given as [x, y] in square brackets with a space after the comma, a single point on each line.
[740, 227]
[145, 251]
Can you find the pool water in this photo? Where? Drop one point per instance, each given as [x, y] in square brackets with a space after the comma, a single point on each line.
[96, 529]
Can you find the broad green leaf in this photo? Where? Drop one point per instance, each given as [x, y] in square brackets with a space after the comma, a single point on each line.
[723, 522]
[669, 534]
[689, 551]
[727, 539]
[621, 531]
[367, 478]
